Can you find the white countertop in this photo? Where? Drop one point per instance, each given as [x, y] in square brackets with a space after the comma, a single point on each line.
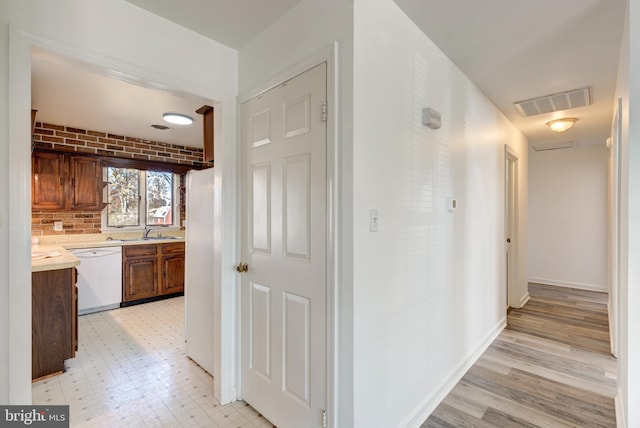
[62, 243]
[64, 260]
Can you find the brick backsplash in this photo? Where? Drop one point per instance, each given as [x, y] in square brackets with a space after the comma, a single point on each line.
[66, 138]
[73, 222]
[69, 139]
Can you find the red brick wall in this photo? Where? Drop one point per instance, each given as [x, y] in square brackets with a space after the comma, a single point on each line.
[73, 222]
[66, 138]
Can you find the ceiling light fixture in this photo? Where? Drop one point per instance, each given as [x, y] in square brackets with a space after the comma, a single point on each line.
[177, 118]
[561, 125]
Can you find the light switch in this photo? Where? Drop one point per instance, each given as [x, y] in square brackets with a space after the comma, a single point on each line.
[57, 226]
[373, 220]
[451, 204]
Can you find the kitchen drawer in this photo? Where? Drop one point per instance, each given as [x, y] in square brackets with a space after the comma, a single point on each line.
[140, 251]
[173, 248]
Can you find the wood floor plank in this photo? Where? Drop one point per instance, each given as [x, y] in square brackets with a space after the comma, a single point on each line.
[551, 367]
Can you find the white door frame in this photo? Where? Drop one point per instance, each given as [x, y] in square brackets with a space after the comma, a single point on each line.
[614, 227]
[20, 44]
[329, 55]
[511, 172]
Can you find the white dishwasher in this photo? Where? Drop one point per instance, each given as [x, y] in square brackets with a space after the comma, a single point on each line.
[99, 279]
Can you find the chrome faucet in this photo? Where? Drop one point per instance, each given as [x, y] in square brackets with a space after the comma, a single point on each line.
[147, 230]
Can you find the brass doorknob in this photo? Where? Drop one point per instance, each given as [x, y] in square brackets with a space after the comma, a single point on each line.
[508, 240]
[242, 267]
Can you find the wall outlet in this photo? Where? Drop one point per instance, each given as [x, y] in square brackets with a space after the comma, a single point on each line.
[57, 226]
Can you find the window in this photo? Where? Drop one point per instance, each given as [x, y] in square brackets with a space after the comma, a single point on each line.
[140, 198]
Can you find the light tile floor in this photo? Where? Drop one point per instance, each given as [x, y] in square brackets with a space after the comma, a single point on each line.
[131, 369]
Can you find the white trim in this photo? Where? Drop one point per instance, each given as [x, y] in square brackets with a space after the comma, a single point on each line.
[429, 404]
[19, 175]
[524, 300]
[621, 419]
[330, 55]
[570, 284]
[511, 157]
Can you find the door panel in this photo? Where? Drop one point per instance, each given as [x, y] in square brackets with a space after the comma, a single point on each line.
[261, 209]
[260, 125]
[284, 230]
[260, 336]
[296, 207]
[296, 117]
[296, 340]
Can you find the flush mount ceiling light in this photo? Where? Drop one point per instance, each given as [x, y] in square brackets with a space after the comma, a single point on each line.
[177, 118]
[561, 125]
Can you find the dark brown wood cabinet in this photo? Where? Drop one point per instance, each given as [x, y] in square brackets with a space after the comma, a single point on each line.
[85, 186]
[139, 272]
[47, 181]
[172, 263]
[54, 334]
[65, 182]
[152, 270]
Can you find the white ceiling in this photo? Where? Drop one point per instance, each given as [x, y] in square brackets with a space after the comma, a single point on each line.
[515, 50]
[230, 22]
[74, 94]
[511, 49]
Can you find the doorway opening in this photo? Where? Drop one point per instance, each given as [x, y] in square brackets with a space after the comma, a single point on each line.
[511, 221]
[58, 65]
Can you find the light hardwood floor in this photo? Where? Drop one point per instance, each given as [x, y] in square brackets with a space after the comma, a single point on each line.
[551, 367]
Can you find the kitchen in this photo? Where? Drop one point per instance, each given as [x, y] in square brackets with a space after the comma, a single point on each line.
[128, 252]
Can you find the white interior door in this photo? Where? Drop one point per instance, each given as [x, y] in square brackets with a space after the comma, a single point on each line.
[511, 174]
[284, 228]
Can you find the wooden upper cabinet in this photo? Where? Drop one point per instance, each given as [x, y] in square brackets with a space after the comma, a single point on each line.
[47, 181]
[65, 182]
[86, 183]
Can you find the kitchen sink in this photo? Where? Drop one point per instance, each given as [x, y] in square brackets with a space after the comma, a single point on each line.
[146, 238]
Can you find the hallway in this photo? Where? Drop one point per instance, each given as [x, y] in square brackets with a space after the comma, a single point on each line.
[550, 367]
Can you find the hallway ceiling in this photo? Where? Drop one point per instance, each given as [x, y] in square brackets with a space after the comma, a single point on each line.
[515, 50]
[512, 50]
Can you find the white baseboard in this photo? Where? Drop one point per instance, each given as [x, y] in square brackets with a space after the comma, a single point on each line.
[568, 284]
[621, 421]
[524, 299]
[429, 404]
[612, 334]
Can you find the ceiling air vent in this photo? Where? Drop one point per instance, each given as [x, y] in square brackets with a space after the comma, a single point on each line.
[541, 147]
[555, 102]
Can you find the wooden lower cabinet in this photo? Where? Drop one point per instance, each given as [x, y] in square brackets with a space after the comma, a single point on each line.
[54, 334]
[152, 270]
[139, 272]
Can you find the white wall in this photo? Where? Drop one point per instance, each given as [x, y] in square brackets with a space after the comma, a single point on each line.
[4, 207]
[631, 299]
[568, 217]
[628, 88]
[429, 287]
[113, 34]
[308, 30]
